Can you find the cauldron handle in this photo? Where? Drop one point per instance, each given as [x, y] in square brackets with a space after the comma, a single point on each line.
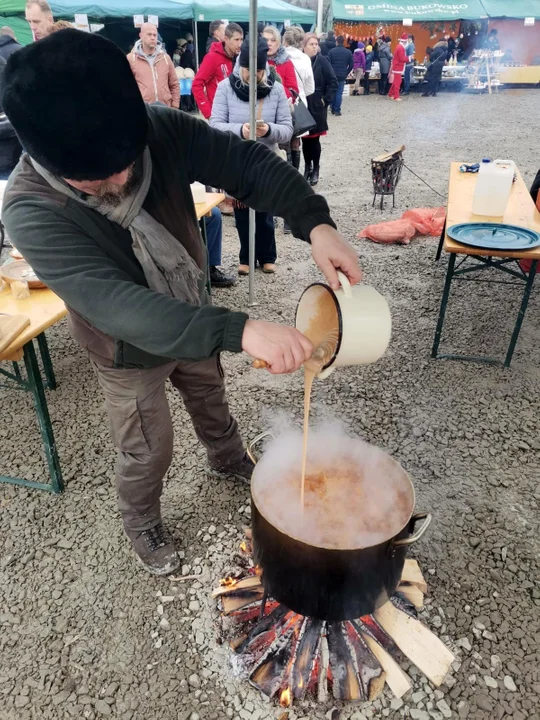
[418, 534]
[256, 441]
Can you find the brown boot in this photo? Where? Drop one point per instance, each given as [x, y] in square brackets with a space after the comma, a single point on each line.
[241, 470]
[155, 549]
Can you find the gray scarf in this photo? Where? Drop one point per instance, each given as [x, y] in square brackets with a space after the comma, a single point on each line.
[167, 265]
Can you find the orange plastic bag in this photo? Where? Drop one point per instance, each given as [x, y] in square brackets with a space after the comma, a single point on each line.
[393, 231]
[426, 221]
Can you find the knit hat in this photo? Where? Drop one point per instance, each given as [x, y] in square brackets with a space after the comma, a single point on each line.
[75, 105]
[262, 54]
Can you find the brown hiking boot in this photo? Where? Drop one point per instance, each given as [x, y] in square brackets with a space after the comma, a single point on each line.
[155, 549]
[242, 470]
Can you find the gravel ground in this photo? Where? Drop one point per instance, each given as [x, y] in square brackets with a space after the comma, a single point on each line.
[82, 635]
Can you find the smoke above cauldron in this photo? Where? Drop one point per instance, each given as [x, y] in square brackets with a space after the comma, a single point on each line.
[356, 496]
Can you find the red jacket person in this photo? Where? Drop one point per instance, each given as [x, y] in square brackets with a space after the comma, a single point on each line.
[101, 206]
[218, 64]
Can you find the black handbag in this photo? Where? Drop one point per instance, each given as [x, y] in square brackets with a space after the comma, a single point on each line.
[302, 119]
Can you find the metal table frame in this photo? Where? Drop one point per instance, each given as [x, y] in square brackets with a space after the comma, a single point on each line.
[34, 384]
[477, 263]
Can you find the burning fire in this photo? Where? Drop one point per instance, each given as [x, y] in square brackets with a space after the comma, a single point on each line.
[244, 547]
[285, 698]
[228, 581]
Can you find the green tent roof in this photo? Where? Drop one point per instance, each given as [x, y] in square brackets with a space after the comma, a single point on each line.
[19, 26]
[399, 9]
[9, 7]
[238, 11]
[235, 10]
[179, 9]
[512, 8]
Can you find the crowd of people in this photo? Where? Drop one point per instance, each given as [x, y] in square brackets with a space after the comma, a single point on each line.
[293, 69]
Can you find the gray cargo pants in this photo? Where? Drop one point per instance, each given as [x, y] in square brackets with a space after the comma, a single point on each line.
[142, 429]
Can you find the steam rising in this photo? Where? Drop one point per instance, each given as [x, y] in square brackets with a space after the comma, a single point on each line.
[355, 496]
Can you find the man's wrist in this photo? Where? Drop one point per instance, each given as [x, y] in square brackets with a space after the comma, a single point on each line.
[318, 229]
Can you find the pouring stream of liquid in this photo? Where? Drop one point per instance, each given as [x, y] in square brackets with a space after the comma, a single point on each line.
[321, 356]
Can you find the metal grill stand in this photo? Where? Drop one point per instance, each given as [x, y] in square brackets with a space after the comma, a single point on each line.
[385, 173]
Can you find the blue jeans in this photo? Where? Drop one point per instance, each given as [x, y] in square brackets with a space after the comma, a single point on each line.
[407, 78]
[213, 235]
[336, 103]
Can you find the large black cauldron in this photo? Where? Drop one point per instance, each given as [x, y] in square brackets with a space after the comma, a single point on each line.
[325, 583]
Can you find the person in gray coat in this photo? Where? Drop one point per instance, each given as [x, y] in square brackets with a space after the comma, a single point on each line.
[385, 61]
[230, 112]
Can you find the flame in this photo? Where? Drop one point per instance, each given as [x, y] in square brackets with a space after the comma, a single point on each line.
[243, 546]
[258, 570]
[228, 581]
[285, 698]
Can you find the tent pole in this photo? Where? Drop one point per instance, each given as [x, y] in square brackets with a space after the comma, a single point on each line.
[196, 42]
[253, 38]
[319, 27]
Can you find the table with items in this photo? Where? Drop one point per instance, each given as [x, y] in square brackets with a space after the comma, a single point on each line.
[518, 266]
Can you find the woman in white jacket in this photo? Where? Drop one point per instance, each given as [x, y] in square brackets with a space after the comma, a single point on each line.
[292, 40]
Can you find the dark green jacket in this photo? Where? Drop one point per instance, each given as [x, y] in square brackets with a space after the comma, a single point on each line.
[88, 260]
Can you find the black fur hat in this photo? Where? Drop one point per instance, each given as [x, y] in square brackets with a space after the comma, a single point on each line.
[75, 105]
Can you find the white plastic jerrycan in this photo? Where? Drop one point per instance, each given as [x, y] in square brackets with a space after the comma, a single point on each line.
[493, 186]
[358, 315]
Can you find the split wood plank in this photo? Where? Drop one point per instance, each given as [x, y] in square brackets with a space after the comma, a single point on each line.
[230, 604]
[387, 156]
[252, 581]
[413, 575]
[417, 642]
[413, 595]
[398, 680]
[376, 686]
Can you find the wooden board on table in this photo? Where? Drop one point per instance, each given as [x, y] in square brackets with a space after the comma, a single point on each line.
[43, 307]
[417, 642]
[398, 680]
[212, 200]
[11, 326]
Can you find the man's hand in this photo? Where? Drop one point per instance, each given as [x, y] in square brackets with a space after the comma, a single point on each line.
[283, 348]
[245, 131]
[332, 252]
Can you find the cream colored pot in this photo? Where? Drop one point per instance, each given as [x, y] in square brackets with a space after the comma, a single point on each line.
[359, 314]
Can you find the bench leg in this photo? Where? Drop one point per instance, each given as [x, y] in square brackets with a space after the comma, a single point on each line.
[521, 314]
[40, 401]
[444, 303]
[47, 362]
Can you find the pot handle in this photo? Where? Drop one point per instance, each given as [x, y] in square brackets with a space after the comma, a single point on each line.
[345, 284]
[418, 534]
[254, 442]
